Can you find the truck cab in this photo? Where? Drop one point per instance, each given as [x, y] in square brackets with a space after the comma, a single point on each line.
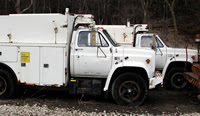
[92, 53]
[97, 60]
[169, 61]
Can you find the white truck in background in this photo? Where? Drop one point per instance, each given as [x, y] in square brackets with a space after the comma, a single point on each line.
[67, 51]
[169, 61]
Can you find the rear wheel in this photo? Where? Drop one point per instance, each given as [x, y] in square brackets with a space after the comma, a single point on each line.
[7, 85]
[129, 89]
[3, 85]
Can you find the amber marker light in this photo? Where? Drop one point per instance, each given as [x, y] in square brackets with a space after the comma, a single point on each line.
[100, 28]
[148, 61]
[193, 57]
[197, 38]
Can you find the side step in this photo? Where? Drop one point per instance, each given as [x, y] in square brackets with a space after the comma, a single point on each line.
[157, 79]
[85, 86]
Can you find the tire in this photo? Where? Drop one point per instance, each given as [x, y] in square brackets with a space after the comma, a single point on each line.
[129, 89]
[175, 79]
[7, 85]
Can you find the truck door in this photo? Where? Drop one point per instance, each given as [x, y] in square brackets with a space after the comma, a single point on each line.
[161, 50]
[92, 55]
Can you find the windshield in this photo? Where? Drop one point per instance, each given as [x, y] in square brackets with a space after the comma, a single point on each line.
[162, 41]
[113, 42]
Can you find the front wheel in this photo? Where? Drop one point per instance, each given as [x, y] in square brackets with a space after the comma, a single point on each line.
[129, 89]
[175, 79]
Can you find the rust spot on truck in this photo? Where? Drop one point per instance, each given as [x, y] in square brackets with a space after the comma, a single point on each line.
[64, 26]
[10, 37]
[194, 82]
[55, 85]
[19, 81]
[124, 35]
[151, 83]
[193, 79]
[25, 83]
[18, 47]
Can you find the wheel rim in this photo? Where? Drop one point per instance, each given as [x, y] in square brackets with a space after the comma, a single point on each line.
[178, 80]
[3, 85]
[129, 91]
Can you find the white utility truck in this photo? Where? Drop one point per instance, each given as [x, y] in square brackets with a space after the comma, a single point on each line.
[67, 51]
[169, 61]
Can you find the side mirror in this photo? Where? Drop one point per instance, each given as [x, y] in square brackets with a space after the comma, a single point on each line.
[153, 46]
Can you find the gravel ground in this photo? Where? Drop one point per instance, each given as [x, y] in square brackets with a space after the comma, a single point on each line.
[159, 102]
[36, 110]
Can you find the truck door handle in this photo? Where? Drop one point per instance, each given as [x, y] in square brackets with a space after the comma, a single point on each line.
[78, 49]
[110, 50]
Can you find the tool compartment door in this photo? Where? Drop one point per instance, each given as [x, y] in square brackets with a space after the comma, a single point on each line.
[52, 66]
[8, 54]
[29, 73]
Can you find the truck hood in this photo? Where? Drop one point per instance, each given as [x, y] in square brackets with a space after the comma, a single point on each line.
[181, 53]
[138, 57]
[130, 50]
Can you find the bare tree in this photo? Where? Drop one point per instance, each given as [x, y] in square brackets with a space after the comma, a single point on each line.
[18, 8]
[34, 6]
[6, 6]
[171, 6]
[145, 6]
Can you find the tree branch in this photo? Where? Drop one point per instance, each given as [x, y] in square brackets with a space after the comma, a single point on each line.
[17, 6]
[168, 3]
[28, 7]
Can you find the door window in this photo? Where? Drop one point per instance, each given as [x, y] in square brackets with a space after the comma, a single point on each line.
[91, 39]
[147, 41]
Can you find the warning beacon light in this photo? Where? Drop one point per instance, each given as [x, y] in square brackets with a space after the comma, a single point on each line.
[197, 38]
